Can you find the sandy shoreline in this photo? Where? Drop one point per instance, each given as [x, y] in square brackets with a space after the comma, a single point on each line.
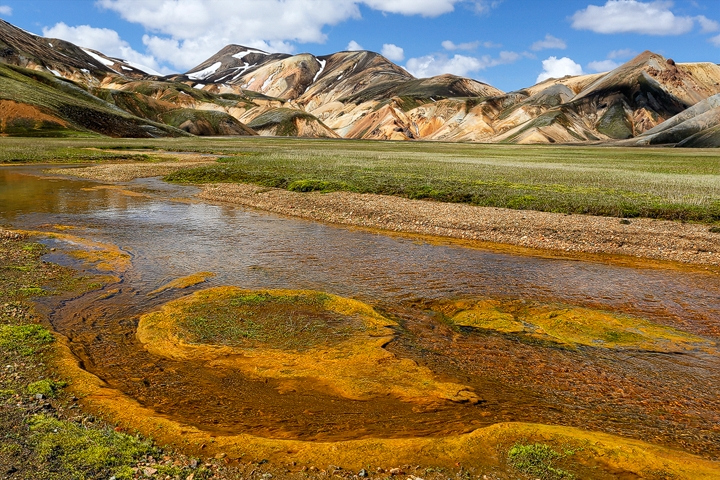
[642, 238]
[573, 235]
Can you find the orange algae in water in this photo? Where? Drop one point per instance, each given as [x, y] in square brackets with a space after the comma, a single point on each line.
[269, 341]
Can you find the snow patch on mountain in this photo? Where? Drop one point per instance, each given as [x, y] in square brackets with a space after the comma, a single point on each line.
[242, 55]
[203, 74]
[100, 59]
[322, 67]
[142, 68]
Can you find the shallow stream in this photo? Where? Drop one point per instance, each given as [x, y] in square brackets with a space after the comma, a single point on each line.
[666, 399]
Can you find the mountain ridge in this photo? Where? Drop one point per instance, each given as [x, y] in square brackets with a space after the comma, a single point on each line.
[358, 94]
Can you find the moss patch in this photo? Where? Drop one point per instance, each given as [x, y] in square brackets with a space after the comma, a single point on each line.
[538, 460]
[24, 339]
[83, 452]
[615, 124]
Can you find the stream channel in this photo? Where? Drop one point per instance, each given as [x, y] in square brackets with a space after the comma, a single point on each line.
[663, 398]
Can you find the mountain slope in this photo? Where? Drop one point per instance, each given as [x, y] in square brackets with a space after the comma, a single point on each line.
[40, 104]
[51, 86]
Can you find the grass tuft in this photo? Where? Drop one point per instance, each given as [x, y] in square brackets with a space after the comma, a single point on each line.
[46, 387]
[24, 339]
[539, 461]
[81, 452]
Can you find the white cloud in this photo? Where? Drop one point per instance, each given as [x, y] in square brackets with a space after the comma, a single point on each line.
[187, 32]
[103, 40]
[484, 6]
[715, 41]
[426, 8]
[633, 16]
[393, 52]
[354, 46]
[554, 67]
[461, 65]
[624, 53]
[448, 45]
[602, 66]
[547, 43]
[5, 10]
[707, 25]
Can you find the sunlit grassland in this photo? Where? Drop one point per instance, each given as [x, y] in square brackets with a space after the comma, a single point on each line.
[678, 184]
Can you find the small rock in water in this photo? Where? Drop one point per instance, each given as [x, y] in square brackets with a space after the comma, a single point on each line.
[395, 471]
[363, 473]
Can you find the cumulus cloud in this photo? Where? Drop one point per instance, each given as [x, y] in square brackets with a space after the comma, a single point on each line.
[461, 65]
[554, 67]
[484, 6]
[354, 46]
[5, 10]
[602, 65]
[103, 40]
[715, 41]
[623, 53]
[633, 16]
[707, 25]
[186, 32]
[448, 45]
[547, 43]
[426, 8]
[393, 52]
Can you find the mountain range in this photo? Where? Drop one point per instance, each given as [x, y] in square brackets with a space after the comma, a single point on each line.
[50, 87]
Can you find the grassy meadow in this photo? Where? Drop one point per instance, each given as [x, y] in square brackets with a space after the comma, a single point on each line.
[676, 184]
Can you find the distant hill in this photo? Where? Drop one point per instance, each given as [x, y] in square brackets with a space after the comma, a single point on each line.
[52, 87]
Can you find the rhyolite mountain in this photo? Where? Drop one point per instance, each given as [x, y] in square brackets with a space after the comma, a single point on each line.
[52, 87]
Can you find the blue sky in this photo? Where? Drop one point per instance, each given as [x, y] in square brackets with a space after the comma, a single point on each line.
[509, 44]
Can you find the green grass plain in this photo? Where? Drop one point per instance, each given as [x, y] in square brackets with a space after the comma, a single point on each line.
[667, 183]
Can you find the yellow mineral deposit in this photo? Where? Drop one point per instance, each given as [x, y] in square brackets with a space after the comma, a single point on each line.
[115, 188]
[570, 326]
[357, 367]
[184, 282]
[104, 256]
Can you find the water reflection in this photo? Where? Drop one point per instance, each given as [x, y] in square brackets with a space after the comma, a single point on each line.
[625, 393]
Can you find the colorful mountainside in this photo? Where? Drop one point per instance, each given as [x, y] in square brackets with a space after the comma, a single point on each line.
[50, 87]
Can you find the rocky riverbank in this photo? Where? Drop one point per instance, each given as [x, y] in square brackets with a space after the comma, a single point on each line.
[553, 232]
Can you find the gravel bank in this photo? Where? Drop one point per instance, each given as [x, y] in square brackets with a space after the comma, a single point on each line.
[643, 238]
[554, 232]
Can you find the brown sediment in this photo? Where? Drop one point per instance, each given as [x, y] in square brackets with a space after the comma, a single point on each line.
[566, 235]
[115, 188]
[161, 164]
[482, 447]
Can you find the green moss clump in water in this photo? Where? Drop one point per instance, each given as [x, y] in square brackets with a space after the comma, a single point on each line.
[295, 322]
[539, 461]
[79, 452]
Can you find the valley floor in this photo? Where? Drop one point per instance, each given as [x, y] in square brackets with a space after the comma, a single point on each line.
[554, 234]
